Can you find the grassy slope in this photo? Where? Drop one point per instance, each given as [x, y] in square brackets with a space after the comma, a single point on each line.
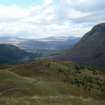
[47, 78]
[50, 101]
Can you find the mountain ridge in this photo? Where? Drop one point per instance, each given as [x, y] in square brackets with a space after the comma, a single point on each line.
[89, 50]
[11, 54]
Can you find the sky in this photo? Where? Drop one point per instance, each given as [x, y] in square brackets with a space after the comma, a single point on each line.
[45, 18]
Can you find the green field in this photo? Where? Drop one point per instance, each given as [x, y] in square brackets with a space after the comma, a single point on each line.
[51, 83]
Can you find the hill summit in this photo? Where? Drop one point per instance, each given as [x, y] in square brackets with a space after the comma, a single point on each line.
[91, 48]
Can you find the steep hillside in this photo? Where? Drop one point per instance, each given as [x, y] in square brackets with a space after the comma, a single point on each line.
[91, 48]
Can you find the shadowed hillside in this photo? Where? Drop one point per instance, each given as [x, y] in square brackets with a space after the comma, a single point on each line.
[90, 49]
[11, 54]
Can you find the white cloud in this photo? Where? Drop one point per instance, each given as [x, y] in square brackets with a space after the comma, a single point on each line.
[70, 17]
[12, 12]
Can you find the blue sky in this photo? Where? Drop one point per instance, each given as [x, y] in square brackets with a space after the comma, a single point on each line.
[45, 18]
[25, 3]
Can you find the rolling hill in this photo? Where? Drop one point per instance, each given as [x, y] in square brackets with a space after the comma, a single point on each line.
[48, 82]
[12, 54]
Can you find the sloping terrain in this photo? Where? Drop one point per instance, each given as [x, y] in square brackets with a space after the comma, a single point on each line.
[12, 54]
[48, 82]
[41, 47]
[90, 49]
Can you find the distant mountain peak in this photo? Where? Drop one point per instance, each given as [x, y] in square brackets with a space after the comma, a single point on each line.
[97, 31]
[99, 28]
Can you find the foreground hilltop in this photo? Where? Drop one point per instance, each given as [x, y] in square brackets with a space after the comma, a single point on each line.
[48, 82]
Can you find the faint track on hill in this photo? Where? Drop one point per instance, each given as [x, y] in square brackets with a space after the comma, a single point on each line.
[8, 90]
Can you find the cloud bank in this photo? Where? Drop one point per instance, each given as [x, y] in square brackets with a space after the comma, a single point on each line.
[65, 18]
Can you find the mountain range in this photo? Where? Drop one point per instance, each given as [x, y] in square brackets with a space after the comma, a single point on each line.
[89, 50]
[39, 47]
[43, 44]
